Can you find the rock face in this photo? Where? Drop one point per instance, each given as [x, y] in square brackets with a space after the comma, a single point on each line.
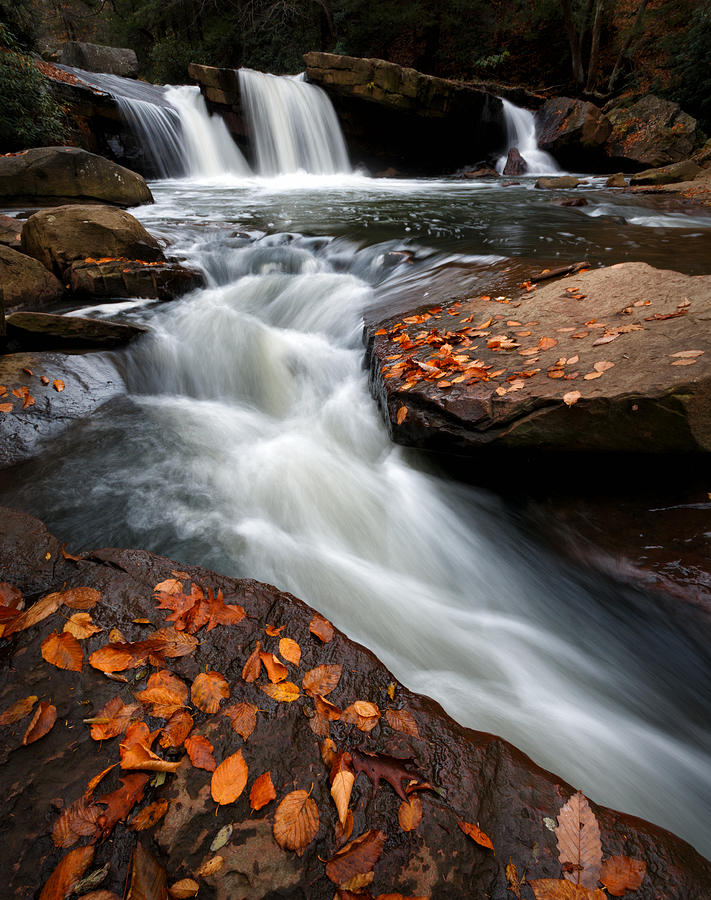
[26, 282]
[651, 133]
[62, 235]
[99, 58]
[476, 776]
[43, 331]
[131, 278]
[574, 132]
[671, 174]
[610, 360]
[403, 118]
[515, 163]
[10, 232]
[68, 174]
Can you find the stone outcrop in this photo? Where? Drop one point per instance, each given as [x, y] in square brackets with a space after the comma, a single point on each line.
[400, 117]
[68, 174]
[45, 331]
[610, 360]
[574, 132]
[651, 133]
[515, 163]
[674, 173]
[120, 278]
[99, 58]
[26, 282]
[473, 776]
[59, 236]
[559, 182]
[11, 231]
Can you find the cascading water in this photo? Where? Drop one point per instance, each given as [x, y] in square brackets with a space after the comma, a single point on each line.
[521, 134]
[293, 124]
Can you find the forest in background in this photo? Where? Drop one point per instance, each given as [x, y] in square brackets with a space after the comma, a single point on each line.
[598, 48]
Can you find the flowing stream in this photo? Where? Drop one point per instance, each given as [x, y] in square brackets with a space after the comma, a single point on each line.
[247, 441]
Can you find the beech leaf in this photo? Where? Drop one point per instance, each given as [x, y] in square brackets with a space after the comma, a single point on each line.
[296, 821]
[290, 651]
[113, 719]
[357, 857]
[18, 710]
[579, 844]
[148, 816]
[476, 834]
[403, 721]
[560, 889]
[41, 723]
[620, 874]
[342, 778]
[64, 651]
[208, 690]
[322, 680]
[81, 626]
[321, 628]
[176, 729]
[262, 791]
[410, 813]
[200, 751]
[243, 717]
[284, 692]
[67, 874]
[276, 670]
[229, 779]
[253, 666]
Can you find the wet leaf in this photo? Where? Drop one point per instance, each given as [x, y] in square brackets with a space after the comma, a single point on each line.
[363, 714]
[381, 767]
[321, 628]
[403, 721]
[18, 710]
[208, 690]
[410, 813]
[603, 365]
[290, 651]
[148, 878]
[211, 867]
[119, 656]
[176, 729]
[326, 710]
[296, 821]
[262, 791]
[113, 719]
[276, 670]
[620, 874]
[165, 693]
[81, 626]
[356, 858]
[10, 596]
[120, 802]
[71, 556]
[58, 385]
[184, 889]
[476, 834]
[243, 717]
[221, 613]
[686, 354]
[83, 598]
[148, 816]
[272, 631]
[200, 751]
[401, 415]
[322, 680]
[63, 651]
[253, 666]
[41, 723]
[221, 838]
[284, 692]
[571, 398]
[328, 751]
[229, 779]
[342, 778]
[93, 782]
[36, 613]
[579, 844]
[67, 874]
[175, 643]
[560, 889]
[513, 881]
[76, 821]
[136, 753]
[547, 343]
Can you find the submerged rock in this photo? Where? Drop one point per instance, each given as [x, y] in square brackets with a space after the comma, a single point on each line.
[559, 181]
[610, 360]
[463, 776]
[67, 174]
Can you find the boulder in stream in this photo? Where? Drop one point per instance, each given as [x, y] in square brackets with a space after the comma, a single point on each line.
[674, 173]
[26, 282]
[118, 278]
[515, 163]
[68, 175]
[574, 132]
[301, 773]
[652, 132]
[99, 58]
[44, 331]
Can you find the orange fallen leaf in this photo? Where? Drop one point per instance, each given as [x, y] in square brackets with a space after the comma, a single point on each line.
[403, 721]
[81, 598]
[410, 813]
[64, 651]
[296, 821]
[571, 398]
[44, 379]
[36, 613]
[58, 384]
[322, 680]
[148, 816]
[41, 723]
[476, 834]
[113, 719]
[67, 874]
[357, 857]
[591, 376]
[321, 628]
[290, 651]
[81, 626]
[284, 692]
[165, 693]
[579, 844]
[342, 778]
[620, 874]
[200, 751]
[401, 415]
[176, 729]
[276, 670]
[211, 867]
[6, 407]
[229, 779]
[253, 666]
[18, 710]
[560, 889]
[243, 717]
[262, 791]
[272, 631]
[208, 690]
[136, 753]
[184, 889]
[546, 343]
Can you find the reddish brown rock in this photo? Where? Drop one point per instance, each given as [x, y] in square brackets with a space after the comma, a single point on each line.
[26, 282]
[651, 133]
[515, 163]
[477, 777]
[130, 278]
[574, 132]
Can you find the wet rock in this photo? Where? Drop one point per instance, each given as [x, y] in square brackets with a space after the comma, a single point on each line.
[573, 201]
[703, 156]
[630, 342]
[99, 58]
[67, 174]
[129, 278]
[671, 174]
[26, 282]
[59, 236]
[652, 133]
[574, 132]
[515, 163]
[11, 231]
[485, 172]
[44, 331]
[89, 382]
[560, 181]
[617, 181]
[476, 777]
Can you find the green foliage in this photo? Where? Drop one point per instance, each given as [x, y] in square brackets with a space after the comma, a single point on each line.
[18, 24]
[29, 116]
[491, 62]
[691, 56]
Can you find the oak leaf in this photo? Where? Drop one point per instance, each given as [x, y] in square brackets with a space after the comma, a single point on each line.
[284, 692]
[357, 857]
[322, 680]
[149, 815]
[296, 821]
[67, 874]
[290, 651]
[221, 613]
[579, 842]
[229, 779]
[321, 628]
[200, 751]
[63, 650]
[18, 710]
[120, 802]
[403, 721]
[243, 717]
[176, 729]
[620, 874]
[208, 690]
[41, 723]
[476, 834]
[381, 767]
[410, 813]
[262, 791]
[81, 626]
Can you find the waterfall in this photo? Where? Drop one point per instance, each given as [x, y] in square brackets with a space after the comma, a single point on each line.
[521, 133]
[293, 125]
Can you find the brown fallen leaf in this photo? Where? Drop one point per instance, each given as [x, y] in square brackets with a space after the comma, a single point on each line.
[221, 613]
[321, 628]
[112, 719]
[58, 385]
[243, 717]
[253, 666]
[284, 692]
[200, 751]
[82, 598]
[687, 354]
[410, 813]
[571, 398]
[401, 415]
[262, 791]
[208, 690]
[18, 710]
[514, 883]
[684, 362]
[96, 780]
[36, 613]
[229, 779]
[342, 778]
[148, 816]
[63, 650]
[41, 723]
[81, 626]
[620, 874]
[363, 714]
[560, 889]
[603, 365]
[120, 802]
[403, 721]
[296, 821]
[135, 751]
[164, 693]
[176, 729]
[67, 874]
[148, 877]
[381, 767]
[591, 376]
[546, 343]
[579, 844]
[184, 889]
[357, 857]
[476, 834]
[78, 820]
[276, 670]
[290, 651]
[273, 631]
[10, 596]
[322, 680]
[211, 866]
[6, 407]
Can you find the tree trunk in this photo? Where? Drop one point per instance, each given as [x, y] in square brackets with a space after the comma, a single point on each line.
[574, 41]
[626, 46]
[595, 46]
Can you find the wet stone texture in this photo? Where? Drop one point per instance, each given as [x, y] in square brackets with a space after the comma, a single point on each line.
[476, 777]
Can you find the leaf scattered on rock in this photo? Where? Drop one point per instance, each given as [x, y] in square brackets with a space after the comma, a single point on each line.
[18, 710]
[63, 650]
[184, 889]
[81, 626]
[262, 791]
[321, 628]
[136, 752]
[342, 778]
[620, 874]
[58, 385]
[243, 717]
[284, 692]
[357, 857]
[253, 666]
[290, 651]
[403, 721]
[229, 779]
[41, 723]
[176, 730]
[571, 398]
[560, 889]
[410, 813]
[296, 821]
[322, 680]
[276, 670]
[200, 751]
[401, 415]
[211, 867]
[113, 719]
[208, 690]
[82, 598]
[164, 693]
[476, 834]
[579, 847]
[148, 816]
[67, 874]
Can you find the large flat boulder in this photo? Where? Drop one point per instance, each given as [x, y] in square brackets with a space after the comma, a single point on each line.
[59, 236]
[674, 173]
[609, 360]
[99, 58]
[119, 278]
[651, 133]
[44, 331]
[574, 132]
[26, 282]
[239, 847]
[65, 175]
